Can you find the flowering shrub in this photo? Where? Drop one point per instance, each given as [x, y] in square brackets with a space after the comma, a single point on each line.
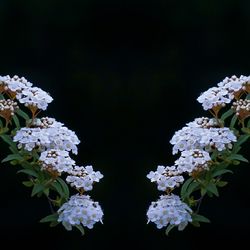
[208, 148]
[41, 147]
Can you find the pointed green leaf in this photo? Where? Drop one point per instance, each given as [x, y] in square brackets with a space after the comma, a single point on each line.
[80, 228]
[227, 114]
[16, 121]
[233, 121]
[169, 228]
[64, 187]
[212, 188]
[22, 114]
[28, 183]
[37, 189]
[221, 172]
[29, 172]
[185, 186]
[237, 157]
[200, 218]
[12, 157]
[50, 218]
[221, 183]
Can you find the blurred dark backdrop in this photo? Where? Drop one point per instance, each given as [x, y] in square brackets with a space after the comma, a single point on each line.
[124, 75]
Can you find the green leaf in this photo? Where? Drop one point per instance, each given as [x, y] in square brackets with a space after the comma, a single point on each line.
[16, 121]
[28, 183]
[233, 121]
[50, 218]
[29, 172]
[46, 191]
[221, 172]
[64, 187]
[80, 228]
[54, 223]
[191, 188]
[1, 123]
[169, 228]
[227, 114]
[221, 183]
[37, 189]
[200, 218]
[1, 97]
[240, 141]
[237, 157]
[22, 114]
[58, 188]
[185, 186]
[8, 140]
[211, 187]
[12, 157]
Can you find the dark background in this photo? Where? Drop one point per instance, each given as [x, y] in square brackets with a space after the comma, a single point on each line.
[124, 75]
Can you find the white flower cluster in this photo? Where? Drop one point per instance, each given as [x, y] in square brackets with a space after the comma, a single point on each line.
[7, 107]
[169, 209]
[203, 122]
[242, 108]
[14, 84]
[83, 177]
[24, 92]
[224, 93]
[166, 177]
[56, 161]
[47, 136]
[202, 138]
[80, 209]
[193, 160]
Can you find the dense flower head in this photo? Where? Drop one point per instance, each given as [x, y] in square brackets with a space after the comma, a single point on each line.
[32, 138]
[214, 97]
[47, 122]
[83, 177]
[166, 177]
[80, 209]
[56, 161]
[202, 138]
[242, 108]
[46, 134]
[7, 108]
[203, 122]
[193, 160]
[234, 84]
[14, 84]
[34, 97]
[169, 209]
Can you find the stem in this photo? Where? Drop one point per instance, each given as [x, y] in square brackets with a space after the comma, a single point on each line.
[199, 204]
[50, 206]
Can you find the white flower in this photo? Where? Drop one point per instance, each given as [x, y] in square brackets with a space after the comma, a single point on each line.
[47, 134]
[169, 209]
[203, 122]
[202, 138]
[83, 177]
[7, 108]
[34, 97]
[234, 83]
[214, 97]
[32, 138]
[80, 209]
[193, 160]
[15, 84]
[166, 177]
[56, 161]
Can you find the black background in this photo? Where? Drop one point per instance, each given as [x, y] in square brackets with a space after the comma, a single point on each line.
[124, 75]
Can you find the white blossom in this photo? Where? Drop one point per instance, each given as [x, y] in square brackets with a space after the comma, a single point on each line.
[166, 177]
[80, 210]
[169, 209]
[83, 177]
[47, 134]
[56, 161]
[203, 122]
[32, 138]
[234, 84]
[7, 108]
[15, 84]
[193, 160]
[202, 138]
[34, 97]
[214, 97]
